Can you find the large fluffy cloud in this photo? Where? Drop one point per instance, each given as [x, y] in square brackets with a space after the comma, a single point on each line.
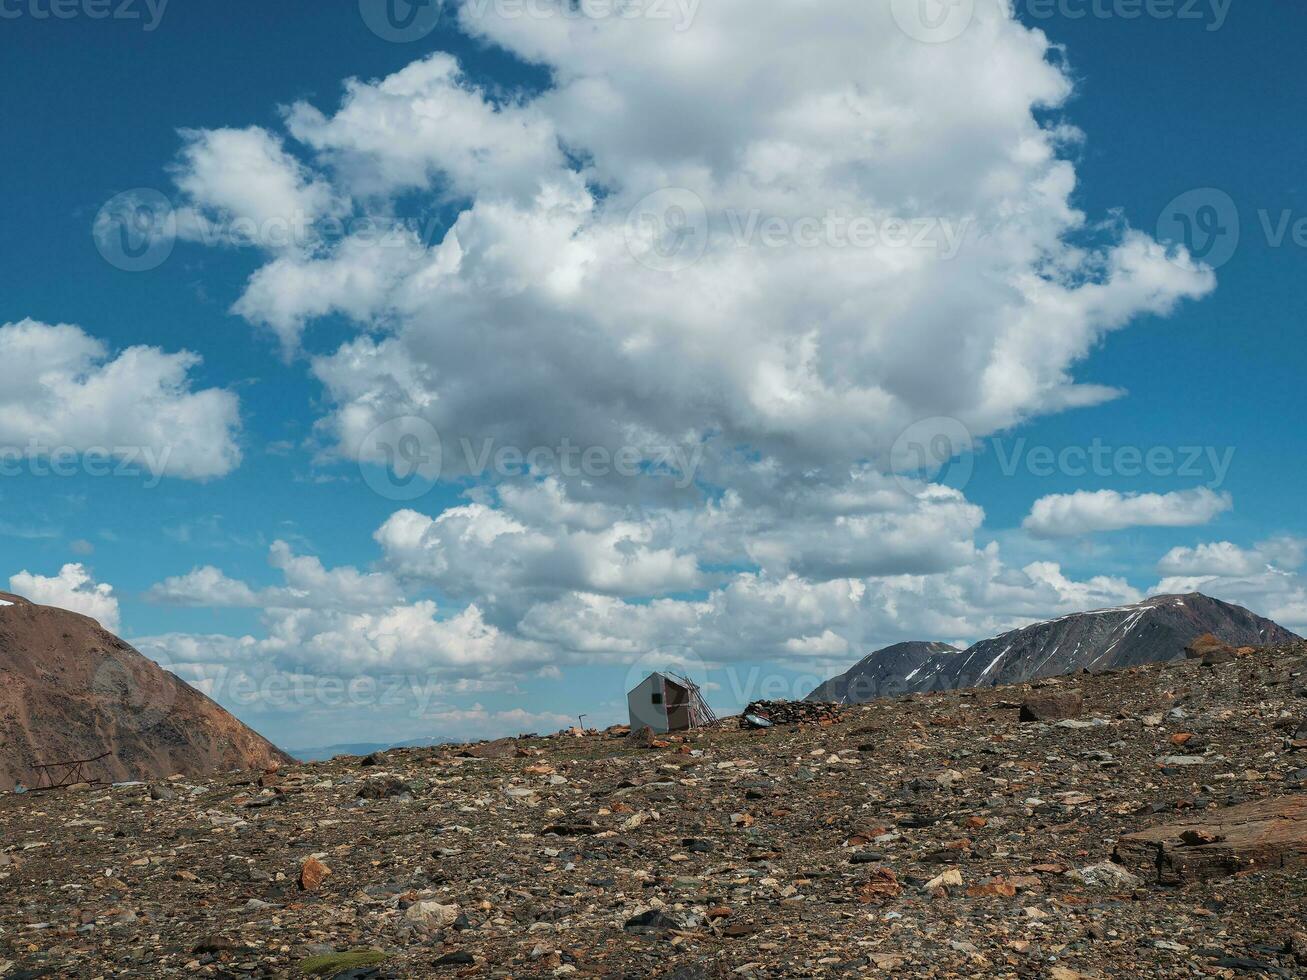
[776, 240]
[972, 291]
[73, 589]
[533, 542]
[62, 390]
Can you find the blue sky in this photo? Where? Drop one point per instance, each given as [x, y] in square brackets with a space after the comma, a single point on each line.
[790, 367]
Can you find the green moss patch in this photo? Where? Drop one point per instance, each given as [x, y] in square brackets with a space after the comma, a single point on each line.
[330, 964]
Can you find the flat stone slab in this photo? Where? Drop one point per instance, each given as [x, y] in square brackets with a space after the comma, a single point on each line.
[1265, 834]
[1054, 705]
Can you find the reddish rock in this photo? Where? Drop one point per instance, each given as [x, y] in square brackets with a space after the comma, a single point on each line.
[312, 874]
[739, 931]
[881, 886]
[1211, 651]
[1203, 644]
[999, 888]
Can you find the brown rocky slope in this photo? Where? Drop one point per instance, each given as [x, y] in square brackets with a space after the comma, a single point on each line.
[69, 690]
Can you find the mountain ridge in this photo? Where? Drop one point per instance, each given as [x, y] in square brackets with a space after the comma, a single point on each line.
[1154, 630]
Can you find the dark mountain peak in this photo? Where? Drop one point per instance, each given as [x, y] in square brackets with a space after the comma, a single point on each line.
[908, 648]
[877, 670]
[1156, 629]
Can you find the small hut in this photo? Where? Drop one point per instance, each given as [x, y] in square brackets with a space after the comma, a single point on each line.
[668, 703]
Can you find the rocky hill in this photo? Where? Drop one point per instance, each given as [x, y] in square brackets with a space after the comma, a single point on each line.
[1153, 825]
[1156, 630]
[71, 690]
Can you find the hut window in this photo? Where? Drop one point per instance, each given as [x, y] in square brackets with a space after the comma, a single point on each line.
[658, 697]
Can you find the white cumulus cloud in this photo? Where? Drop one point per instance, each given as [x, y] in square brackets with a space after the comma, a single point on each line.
[242, 185]
[308, 584]
[1086, 511]
[1266, 577]
[73, 589]
[63, 390]
[1227, 559]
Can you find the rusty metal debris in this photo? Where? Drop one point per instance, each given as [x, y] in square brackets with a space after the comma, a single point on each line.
[57, 775]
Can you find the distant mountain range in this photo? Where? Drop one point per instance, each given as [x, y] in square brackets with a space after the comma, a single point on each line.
[324, 752]
[1155, 630]
[70, 690]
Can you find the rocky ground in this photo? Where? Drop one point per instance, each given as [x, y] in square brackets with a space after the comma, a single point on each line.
[937, 835]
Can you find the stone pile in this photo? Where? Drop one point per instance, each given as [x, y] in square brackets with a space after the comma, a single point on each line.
[794, 712]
